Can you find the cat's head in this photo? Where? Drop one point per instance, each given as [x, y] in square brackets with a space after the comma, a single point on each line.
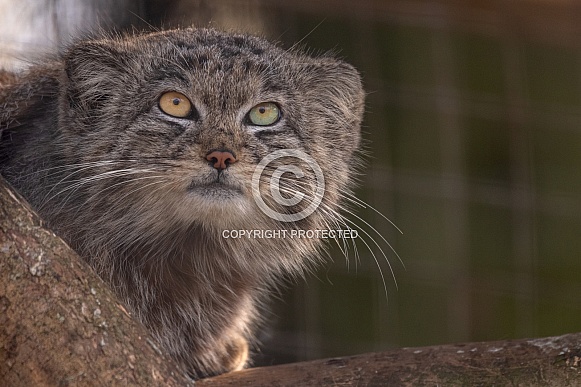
[203, 127]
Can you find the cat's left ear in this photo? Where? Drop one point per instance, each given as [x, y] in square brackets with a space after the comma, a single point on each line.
[334, 91]
[337, 85]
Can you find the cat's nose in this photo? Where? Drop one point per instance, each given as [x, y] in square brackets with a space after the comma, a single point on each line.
[221, 159]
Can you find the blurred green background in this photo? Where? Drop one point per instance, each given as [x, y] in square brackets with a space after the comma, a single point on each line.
[473, 122]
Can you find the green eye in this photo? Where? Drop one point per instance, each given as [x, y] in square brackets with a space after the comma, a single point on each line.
[264, 114]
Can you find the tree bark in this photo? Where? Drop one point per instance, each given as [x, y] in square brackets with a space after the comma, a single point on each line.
[60, 325]
[553, 361]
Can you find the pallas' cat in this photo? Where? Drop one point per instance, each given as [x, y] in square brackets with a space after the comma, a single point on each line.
[142, 152]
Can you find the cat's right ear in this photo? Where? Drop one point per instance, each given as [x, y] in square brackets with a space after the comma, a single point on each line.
[87, 59]
[93, 70]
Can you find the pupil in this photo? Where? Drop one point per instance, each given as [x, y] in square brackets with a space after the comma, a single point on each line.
[261, 110]
[176, 101]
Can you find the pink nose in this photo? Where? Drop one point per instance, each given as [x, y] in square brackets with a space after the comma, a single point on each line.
[221, 159]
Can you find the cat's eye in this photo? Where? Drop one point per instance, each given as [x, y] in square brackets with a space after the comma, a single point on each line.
[175, 104]
[264, 114]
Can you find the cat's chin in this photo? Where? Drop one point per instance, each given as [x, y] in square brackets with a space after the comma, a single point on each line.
[217, 205]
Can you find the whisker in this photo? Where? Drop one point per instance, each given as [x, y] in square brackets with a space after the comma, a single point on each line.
[307, 35]
[72, 188]
[69, 167]
[354, 199]
[61, 181]
[379, 247]
[76, 184]
[379, 268]
[337, 219]
[377, 232]
[363, 204]
[291, 188]
[125, 182]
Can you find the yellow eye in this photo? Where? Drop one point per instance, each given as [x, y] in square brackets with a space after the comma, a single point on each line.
[175, 104]
[264, 114]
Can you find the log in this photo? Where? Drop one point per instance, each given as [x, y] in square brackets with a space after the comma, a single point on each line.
[552, 361]
[60, 325]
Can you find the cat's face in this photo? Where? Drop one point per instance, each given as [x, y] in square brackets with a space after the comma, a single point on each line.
[185, 117]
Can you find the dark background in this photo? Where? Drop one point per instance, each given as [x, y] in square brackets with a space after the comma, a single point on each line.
[474, 126]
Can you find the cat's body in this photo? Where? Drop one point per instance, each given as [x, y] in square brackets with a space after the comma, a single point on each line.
[144, 193]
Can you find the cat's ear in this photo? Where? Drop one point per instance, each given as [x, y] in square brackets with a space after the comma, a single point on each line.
[93, 72]
[88, 59]
[335, 93]
[338, 86]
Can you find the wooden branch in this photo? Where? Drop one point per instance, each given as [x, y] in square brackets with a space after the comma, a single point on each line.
[553, 361]
[59, 323]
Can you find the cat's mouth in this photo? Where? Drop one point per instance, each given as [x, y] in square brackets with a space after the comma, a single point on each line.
[219, 187]
[215, 188]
